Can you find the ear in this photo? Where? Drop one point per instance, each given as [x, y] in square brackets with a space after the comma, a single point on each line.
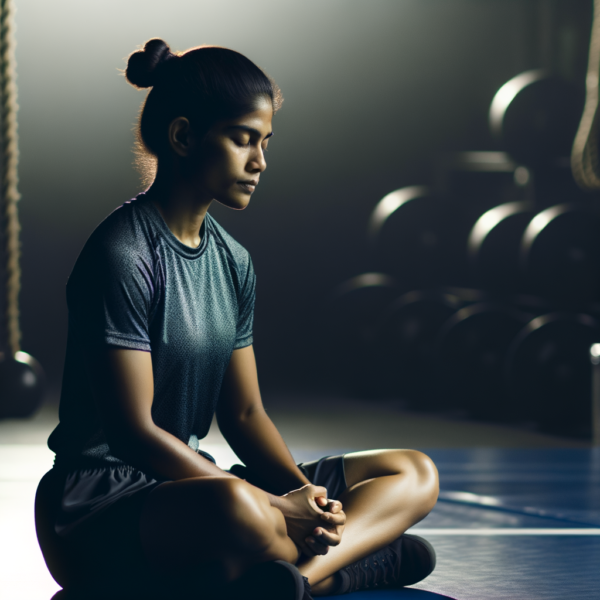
[180, 136]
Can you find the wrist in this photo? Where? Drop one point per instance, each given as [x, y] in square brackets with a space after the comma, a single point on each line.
[277, 502]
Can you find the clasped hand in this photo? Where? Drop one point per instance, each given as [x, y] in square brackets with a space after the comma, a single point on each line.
[314, 523]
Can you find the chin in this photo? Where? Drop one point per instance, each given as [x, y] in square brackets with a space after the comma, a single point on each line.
[235, 203]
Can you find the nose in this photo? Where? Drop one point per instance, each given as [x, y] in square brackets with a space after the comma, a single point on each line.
[258, 163]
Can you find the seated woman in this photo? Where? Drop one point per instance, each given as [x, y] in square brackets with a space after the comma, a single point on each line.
[161, 303]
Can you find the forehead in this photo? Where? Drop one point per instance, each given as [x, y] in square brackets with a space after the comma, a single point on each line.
[259, 119]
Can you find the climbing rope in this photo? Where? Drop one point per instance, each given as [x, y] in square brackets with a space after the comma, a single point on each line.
[584, 156]
[10, 159]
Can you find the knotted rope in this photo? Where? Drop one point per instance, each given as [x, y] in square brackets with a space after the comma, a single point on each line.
[584, 156]
[10, 159]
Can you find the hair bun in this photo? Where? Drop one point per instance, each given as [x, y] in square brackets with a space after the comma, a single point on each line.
[142, 64]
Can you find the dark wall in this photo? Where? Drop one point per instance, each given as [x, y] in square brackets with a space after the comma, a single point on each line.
[373, 90]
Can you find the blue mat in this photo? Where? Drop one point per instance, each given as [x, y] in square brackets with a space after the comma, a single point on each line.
[403, 594]
[512, 524]
[516, 524]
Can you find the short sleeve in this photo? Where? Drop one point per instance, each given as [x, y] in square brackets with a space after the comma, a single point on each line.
[246, 309]
[109, 296]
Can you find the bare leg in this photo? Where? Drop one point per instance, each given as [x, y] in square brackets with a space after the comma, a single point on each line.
[222, 523]
[388, 492]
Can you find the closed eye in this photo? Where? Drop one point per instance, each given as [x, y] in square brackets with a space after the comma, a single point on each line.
[241, 143]
[250, 132]
[244, 144]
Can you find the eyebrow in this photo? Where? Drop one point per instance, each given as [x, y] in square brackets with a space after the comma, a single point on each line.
[249, 130]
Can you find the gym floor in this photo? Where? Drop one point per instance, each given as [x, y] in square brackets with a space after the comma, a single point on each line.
[518, 516]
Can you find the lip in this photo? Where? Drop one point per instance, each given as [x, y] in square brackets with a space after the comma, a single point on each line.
[248, 186]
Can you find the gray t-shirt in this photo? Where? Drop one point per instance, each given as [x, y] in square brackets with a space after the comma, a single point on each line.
[135, 285]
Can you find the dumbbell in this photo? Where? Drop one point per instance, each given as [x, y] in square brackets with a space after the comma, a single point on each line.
[548, 372]
[534, 117]
[494, 244]
[472, 184]
[560, 254]
[22, 385]
[470, 353]
[404, 341]
[406, 234]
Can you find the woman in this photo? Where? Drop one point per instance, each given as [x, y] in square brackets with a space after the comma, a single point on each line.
[161, 304]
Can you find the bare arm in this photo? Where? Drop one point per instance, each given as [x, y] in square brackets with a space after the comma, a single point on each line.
[257, 442]
[249, 430]
[124, 391]
[124, 386]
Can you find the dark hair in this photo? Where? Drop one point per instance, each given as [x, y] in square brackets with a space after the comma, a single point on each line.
[204, 84]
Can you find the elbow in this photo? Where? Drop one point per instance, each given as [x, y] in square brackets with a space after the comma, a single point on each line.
[131, 444]
[236, 420]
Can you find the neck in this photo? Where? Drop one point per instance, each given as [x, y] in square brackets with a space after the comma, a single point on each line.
[180, 206]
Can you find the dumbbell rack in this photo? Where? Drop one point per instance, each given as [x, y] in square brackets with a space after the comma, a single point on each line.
[513, 327]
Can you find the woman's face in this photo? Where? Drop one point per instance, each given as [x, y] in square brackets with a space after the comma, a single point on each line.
[232, 156]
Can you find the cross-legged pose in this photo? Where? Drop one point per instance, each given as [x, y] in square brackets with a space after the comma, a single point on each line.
[161, 303]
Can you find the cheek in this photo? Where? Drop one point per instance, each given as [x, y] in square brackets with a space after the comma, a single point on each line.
[223, 168]
[211, 173]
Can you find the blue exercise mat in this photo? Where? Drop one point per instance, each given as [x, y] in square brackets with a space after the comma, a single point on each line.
[402, 594]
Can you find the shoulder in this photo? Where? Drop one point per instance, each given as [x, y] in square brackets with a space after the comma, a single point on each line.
[122, 244]
[126, 226]
[236, 253]
[124, 233]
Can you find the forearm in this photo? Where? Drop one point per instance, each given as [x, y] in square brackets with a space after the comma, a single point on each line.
[160, 453]
[157, 452]
[258, 443]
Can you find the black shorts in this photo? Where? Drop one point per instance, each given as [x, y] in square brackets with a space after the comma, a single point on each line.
[90, 535]
[327, 472]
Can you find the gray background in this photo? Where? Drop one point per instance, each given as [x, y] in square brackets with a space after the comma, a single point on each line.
[373, 90]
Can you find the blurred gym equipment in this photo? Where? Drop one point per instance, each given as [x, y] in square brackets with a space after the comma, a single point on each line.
[549, 375]
[500, 237]
[494, 244]
[404, 341]
[472, 183]
[406, 232]
[560, 253]
[350, 320]
[595, 360]
[469, 357]
[584, 154]
[534, 117]
[21, 376]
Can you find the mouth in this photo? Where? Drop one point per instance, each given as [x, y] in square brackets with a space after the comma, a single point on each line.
[249, 185]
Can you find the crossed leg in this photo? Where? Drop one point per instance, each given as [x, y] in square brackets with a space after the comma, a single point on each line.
[226, 525]
[219, 524]
[388, 492]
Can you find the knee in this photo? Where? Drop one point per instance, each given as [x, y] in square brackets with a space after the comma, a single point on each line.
[412, 462]
[424, 467]
[426, 475]
[420, 470]
[252, 524]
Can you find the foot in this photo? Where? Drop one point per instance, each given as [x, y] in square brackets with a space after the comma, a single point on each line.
[405, 561]
[418, 559]
[273, 580]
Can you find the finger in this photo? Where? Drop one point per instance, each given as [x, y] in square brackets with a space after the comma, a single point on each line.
[318, 490]
[314, 548]
[334, 519]
[335, 506]
[307, 548]
[325, 537]
[321, 501]
[339, 517]
[317, 546]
